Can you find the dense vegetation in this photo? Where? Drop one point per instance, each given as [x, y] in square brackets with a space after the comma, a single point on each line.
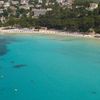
[75, 19]
[82, 1]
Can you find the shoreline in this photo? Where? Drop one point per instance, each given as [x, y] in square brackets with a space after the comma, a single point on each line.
[44, 32]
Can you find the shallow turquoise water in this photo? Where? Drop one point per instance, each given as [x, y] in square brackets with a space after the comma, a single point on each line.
[43, 68]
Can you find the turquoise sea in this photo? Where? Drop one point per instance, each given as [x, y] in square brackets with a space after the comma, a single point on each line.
[49, 68]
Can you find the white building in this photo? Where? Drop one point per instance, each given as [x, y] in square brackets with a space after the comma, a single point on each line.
[1, 2]
[38, 12]
[1, 11]
[14, 2]
[60, 1]
[49, 9]
[7, 4]
[26, 7]
[40, 1]
[93, 6]
[66, 2]
[24, 2]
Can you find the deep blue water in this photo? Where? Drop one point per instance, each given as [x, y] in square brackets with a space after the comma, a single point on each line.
[49, 68]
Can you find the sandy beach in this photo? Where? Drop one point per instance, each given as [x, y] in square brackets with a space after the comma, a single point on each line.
[43, 31]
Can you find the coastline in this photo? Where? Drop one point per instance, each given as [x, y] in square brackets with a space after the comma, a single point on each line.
[43, 32]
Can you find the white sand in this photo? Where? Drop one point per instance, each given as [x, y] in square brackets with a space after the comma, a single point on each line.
[41, 31]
